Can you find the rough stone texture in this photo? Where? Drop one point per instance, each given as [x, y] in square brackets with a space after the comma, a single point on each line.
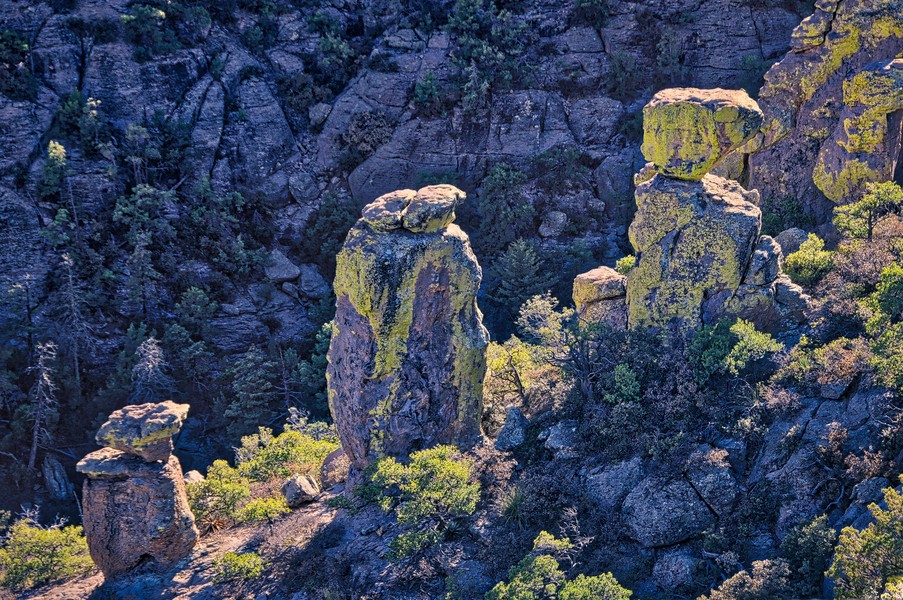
[791, 239]
[136, 513]
[300, 489]
[335, 468]
[865, 145]
[279, 268]
[432, 208]
[407, 356]
[765, 265]
[144, 429]
[56, 481]
[562, 439]
[513, 432]
[693, 242]
[802, 97]
[599, 296]
[607, 487]
[674, 568]
[687, 131]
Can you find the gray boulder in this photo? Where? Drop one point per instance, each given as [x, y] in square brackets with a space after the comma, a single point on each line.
[513, 432]
[300, 489]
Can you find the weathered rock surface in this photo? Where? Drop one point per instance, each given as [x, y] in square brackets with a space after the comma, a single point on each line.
[693, 242]
[607, 487]
[335, 468]
[136, 513]
[687, 131]
[407, 356]
[791, 239]
[803, 94]
[865, 146]
[600, 296]
[300, 489]
[145, 430]
[513, 432]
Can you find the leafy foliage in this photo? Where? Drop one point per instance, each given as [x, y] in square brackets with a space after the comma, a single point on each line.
[808, 265]
[859, 219]
[32, 555]
[238, 566]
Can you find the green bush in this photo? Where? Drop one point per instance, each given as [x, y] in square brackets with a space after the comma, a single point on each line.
[427, 96]
[808, 265]
[858, 219]
[767, 580]
[539, 575]
[593, 13]
[146, 29]
[504, 211]
[32, 555]
[625, 264]
[807, 549]
[238, 566]
[263, 457]
[216, 501]
[17, 82]
[260, 510]
[436, 490]
[728, 348]
[866, 561]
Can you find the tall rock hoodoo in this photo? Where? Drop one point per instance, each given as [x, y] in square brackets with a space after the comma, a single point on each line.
[407, 356]
[135, 508]
[696, 235]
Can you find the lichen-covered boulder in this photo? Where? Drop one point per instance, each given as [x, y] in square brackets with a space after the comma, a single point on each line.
[136, 513]
[599, 296]
[428, 209]
[693, 243]
[765, 265]
[407, 355]
[865, 145]
[802, 97]
[144, 430]
[687, 131]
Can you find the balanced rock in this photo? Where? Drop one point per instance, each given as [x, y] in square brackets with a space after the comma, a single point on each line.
[865, 145]
[145, 430]
[687, 131]
[407, 355]
[693, 241]
[599, 296]
[136, 513]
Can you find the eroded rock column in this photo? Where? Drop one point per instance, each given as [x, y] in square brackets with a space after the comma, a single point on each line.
[136, 512]
[407, 356]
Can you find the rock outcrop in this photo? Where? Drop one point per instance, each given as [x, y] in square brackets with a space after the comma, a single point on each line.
[696, 235]
[407, 356]
[136, 512]
[599, 297]
[865, 145]
[803, 99]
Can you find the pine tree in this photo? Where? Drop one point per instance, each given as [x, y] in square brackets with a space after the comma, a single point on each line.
[43, 398]
[519, 275]
[77, 330]
[251, 381]
[151, 381]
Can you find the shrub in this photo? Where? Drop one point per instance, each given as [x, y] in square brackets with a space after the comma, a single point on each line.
[865, 561]
[427, 96]
[32, 555]
[858, 219]
[767, 580]
[146, 29]
[17, 82]
[807, 549]
[435, 491]
[324, 236]
[366, 132]
[261, 510]
[263, 457]
[808, 265]
[238, 566]
[216, 500]
[539, 575]
[593, 13]
[625, 264]
[725, 348]
[751, 345]
[54, 171]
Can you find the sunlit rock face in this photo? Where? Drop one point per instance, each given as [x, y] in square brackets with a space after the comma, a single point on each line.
[407, 356]
[136, 512]
[696, 235]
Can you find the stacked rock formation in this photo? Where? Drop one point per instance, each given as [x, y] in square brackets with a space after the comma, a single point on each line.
[805, 102]
[696, 235]
[407, 356]
[135, 508]
[865, 146]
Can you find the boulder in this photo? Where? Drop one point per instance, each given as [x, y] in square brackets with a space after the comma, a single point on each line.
[279, 268]
[765, 265]
[599, 296]
[192, 477]
[407, 355]
[145, 430]
[693, 241]
[513, 432]
[553, 224]
[674, 568]
[335, 468]
[606, 488]
[663, 512]
[562, 439]
[865, 145]
[136, 513]
[300, 489]
[791, 239]
[687, 131]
